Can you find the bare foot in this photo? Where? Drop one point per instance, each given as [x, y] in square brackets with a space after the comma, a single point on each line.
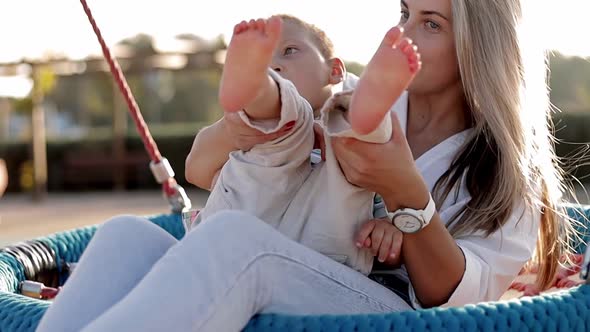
[248, 57]
[387, 75]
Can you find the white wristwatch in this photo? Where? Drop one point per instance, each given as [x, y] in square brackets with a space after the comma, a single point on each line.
[411, 220]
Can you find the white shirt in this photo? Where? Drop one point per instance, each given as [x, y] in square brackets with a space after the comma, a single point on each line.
[491, 263]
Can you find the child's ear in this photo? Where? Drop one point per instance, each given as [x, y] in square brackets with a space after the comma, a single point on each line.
[337, 71]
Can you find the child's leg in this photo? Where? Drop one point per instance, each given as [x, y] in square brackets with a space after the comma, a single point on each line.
[387, 75]
[365, 110]
[336, 121]
[338, 208]
[263, 181]
[119, 255]
[245, 84]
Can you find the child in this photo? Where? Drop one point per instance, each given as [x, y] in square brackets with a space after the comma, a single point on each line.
[276, 74]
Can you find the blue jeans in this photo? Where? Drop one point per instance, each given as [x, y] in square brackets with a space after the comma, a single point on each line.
[136, 277]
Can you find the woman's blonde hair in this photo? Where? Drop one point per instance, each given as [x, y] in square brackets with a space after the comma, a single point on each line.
[510, 153]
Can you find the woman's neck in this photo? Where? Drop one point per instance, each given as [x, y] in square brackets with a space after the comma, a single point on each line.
[434, 117]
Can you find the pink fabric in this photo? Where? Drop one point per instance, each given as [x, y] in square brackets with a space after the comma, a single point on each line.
[566, 277]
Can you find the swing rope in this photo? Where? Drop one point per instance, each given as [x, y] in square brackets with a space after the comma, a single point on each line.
[34, 255]
[160, 166]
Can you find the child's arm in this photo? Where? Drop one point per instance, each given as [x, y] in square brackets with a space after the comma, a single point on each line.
[212, 145]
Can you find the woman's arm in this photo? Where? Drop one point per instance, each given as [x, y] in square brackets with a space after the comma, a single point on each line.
[208, 154]
[434, 262]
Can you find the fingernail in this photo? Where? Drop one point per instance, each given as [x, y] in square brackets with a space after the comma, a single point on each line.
[392, 255]
[381, 260]
[358, 244]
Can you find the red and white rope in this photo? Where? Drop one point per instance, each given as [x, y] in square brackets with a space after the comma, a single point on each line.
[148, 142]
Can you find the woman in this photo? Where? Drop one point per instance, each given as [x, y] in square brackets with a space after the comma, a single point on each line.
[474, 138]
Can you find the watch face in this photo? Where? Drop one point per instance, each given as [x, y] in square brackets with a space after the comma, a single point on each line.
[407, 223]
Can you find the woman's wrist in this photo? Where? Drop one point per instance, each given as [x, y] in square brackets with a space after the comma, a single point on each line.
[414, 196]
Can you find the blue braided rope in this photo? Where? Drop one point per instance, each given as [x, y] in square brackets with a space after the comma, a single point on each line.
[568, 310]
[11, 273]
[565, 311]
[20, 313]
[581, 213]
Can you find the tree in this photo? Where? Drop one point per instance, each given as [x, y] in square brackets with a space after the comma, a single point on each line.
[570, 82]
[354, 67]
[141, 44]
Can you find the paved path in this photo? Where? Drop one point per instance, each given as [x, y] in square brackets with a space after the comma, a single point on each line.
[21, 218]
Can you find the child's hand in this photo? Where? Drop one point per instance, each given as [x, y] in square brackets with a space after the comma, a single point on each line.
[384, 239]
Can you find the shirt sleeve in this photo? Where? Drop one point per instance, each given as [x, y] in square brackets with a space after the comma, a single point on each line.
[492, 262]
[336, 124]
[292, 104]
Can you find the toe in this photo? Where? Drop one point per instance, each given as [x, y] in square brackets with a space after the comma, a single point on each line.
[260, 24]
[273, 27]
[392, 36]
[404, 44]
[240, 27]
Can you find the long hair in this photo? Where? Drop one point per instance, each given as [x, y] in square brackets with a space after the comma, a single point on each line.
[510, 153]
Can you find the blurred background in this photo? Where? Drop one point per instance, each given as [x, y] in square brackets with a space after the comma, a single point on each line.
[71, 152]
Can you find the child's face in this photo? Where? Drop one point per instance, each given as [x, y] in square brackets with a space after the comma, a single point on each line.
[298, 59]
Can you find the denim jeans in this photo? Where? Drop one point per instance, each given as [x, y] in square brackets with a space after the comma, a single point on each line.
[133, 276]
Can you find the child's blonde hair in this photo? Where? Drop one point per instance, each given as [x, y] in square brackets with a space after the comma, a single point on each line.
[324, 44]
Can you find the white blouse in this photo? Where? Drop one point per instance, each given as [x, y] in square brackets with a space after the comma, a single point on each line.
[492, 262]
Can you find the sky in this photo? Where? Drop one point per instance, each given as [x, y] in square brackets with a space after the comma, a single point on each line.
[30, 28]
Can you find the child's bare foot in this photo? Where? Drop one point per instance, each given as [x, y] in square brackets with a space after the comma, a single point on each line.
[387, 75]
[248, 57]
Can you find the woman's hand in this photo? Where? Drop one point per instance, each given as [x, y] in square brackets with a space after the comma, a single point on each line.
[387, 169]
[384, 240]
[244, 137]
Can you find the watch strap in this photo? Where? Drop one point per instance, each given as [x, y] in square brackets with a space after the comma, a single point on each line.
[429, 210]
[427, 213]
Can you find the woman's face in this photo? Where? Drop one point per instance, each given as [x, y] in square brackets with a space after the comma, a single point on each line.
[429, 24]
